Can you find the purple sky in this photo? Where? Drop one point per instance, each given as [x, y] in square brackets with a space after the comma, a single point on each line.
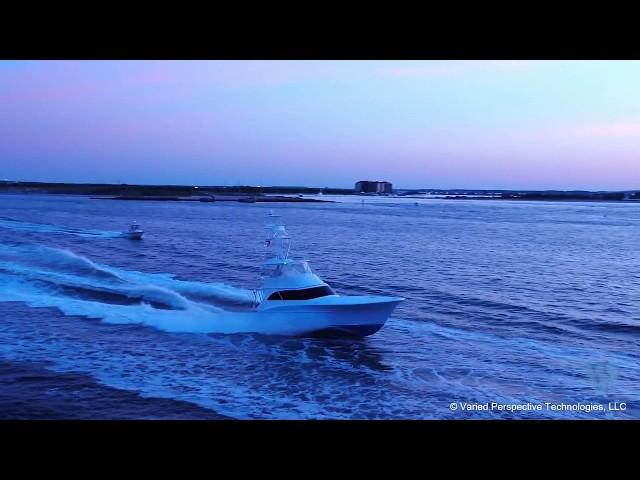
[440, 124]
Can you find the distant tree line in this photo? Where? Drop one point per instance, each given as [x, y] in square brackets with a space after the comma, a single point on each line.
[160, 190]
[560, 195]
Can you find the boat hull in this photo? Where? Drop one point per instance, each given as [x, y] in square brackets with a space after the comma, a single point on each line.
[347, 330]
[351, 316]
[133, 235]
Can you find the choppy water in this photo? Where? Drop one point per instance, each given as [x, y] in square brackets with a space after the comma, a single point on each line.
[505, 302]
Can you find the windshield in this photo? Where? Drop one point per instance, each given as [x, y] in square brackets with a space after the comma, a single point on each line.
[304, 294]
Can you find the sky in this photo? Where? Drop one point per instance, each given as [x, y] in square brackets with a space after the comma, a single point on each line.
[418, 124]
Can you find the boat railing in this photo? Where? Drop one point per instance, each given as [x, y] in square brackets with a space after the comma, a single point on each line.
[258, 297]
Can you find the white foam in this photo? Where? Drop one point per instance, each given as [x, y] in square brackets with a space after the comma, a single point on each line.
[20, 226]
[214, 291]
[32, 274]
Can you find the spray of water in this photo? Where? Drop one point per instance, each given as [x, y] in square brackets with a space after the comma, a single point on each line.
[20, 226]
[49, 277]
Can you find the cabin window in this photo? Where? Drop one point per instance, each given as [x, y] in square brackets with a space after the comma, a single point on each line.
[304, 294]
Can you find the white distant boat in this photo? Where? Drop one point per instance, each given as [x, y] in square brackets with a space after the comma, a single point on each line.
[134, 232]
[292, 294]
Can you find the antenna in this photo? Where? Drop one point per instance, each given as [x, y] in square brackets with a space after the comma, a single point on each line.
[277, 241]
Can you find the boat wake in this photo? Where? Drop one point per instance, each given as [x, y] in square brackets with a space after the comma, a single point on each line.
[49, 277]
[20, 226]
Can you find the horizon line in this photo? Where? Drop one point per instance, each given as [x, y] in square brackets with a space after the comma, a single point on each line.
[7, 181]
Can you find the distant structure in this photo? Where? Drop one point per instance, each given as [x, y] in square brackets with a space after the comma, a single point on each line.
[367, 186]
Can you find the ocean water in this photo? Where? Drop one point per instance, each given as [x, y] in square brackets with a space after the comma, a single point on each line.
[506, 302]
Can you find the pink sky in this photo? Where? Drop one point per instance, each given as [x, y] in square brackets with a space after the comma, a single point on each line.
[439, 124]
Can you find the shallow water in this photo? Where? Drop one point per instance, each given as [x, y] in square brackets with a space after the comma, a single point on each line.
[505, 302]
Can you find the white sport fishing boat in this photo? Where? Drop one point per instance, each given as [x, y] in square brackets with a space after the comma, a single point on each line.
[134, 232]
[291, 292]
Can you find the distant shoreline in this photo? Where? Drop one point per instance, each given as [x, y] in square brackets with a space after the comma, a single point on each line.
[219, 198]
[258, 194]
[181, 191]
[527, 199]
[175, 193]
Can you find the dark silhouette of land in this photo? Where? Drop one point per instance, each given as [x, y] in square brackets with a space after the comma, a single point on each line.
[548, 195]
[202, 193]
[249, 194]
